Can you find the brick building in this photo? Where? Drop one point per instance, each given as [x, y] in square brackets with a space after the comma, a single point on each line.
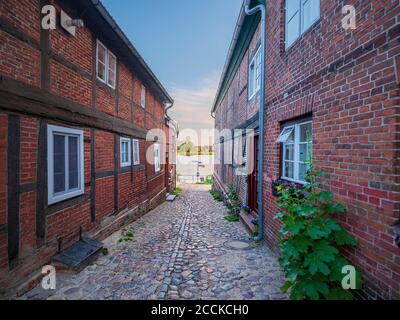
[171, 134]
[75, 108]
[340, 85]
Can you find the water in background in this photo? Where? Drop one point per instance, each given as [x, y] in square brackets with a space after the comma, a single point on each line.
[187, 167]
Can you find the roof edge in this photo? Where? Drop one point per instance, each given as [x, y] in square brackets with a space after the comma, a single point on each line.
[238, 27]
[232, 48]
[112, 23]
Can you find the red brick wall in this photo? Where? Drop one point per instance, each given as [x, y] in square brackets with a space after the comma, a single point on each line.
[23, 15]
[354, 128]
[125, 110]
[27, 213]
[140, 188]
[138, 116]
[105, 100]
[348, 82]
[104, 197]
[125, 189]
[125, 84]
[104, 150]
[76, 50]
[18, 60]
[70, 85]
[29, 138]
[66, 224]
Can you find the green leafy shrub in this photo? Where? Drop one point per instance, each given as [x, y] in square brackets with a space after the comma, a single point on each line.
[233, 204]
[177, 192]
[209, 181]
[256, 230]
[232, 218]
[310, 240]
[126, 236]
[216, 195]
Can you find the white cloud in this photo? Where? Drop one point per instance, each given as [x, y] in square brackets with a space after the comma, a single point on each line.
[192, 108]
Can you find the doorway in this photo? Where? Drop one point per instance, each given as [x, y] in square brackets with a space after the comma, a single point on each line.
[252, 178]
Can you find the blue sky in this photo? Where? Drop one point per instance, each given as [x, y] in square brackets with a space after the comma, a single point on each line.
[185, 43]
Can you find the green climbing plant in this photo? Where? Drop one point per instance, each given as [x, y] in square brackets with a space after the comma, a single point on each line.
[233, 204]
[311, 240]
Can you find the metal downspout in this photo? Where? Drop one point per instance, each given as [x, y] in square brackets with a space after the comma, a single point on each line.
[252, 11]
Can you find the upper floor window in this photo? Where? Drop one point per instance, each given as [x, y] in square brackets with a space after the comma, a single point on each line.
[136, 154]
[65, 163]
[296, 142]
[106, 65]
[125, 152]
[300, 15]
[157, 163]
[255, 74]
[143, 97]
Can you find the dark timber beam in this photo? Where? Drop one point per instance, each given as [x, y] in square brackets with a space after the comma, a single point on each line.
[41, 194]
[116, 149]
[92, 176]
[44, 48]
[13, 169]
[21, 98]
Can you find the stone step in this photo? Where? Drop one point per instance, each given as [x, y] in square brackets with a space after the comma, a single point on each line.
[247, 219]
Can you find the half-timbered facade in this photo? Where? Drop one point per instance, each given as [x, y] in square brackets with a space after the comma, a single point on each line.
[75, 108]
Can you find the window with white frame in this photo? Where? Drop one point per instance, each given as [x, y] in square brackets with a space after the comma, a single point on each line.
[157, 163]
[65, 163]
[106, 66]
[143, 97]
[112, 68]
[300, 15]
[255, 74]
[125, 152]
[296, 142]
[136, 154]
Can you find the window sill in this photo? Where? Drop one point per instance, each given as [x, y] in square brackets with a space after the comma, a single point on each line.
[104, 85]
[64, 197]
[254, 96]
[293, 180]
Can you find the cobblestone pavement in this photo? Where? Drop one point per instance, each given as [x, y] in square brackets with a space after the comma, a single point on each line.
[178, 252]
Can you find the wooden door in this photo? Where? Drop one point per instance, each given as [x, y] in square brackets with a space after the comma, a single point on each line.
[252, 179]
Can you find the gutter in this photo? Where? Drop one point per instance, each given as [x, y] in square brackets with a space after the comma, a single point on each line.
[252, 11]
